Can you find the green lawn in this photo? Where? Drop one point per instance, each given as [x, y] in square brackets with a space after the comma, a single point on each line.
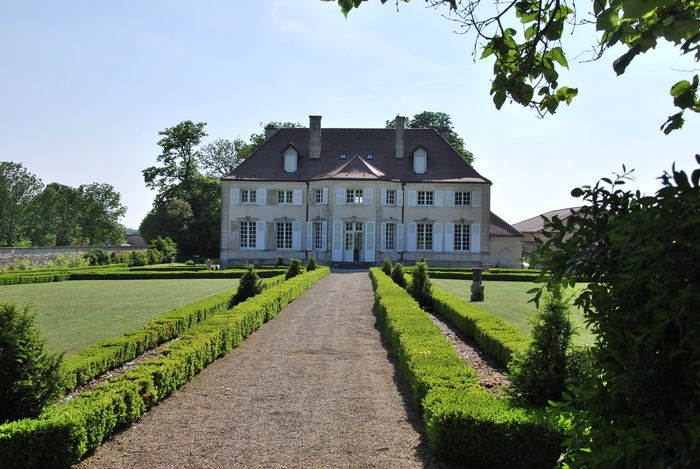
[509, 301]
[74, 314]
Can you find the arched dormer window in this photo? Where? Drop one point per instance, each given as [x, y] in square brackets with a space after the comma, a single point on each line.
[291, 159]
[420, 160]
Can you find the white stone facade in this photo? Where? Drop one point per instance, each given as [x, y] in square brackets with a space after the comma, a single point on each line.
[355, 221]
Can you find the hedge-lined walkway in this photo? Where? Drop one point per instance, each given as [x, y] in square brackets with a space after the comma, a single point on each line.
[312, 388]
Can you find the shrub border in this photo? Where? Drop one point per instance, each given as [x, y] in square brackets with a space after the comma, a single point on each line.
[62, 435]
[107, 354]
[464, 422]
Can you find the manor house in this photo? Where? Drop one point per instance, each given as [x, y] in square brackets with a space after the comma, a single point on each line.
[358, 196]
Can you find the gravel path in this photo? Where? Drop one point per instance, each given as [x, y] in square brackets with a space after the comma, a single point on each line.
[315, 387]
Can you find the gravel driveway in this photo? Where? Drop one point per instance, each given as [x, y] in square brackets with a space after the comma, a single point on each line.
[314, 387]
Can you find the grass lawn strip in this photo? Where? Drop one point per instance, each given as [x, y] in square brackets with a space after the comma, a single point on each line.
[63, 434]
[509, 301]
[74, 315]
[464, 422]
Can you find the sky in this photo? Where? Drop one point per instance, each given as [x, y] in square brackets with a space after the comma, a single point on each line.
[86, 85]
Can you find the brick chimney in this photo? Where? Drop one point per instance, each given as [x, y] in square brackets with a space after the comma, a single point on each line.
[314, 137]
[400, 122]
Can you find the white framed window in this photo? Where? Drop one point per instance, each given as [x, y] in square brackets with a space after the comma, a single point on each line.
[283, 234]
[463, 198]
[390, 237]
[354, 196]
[461, 237]
[424, 236]
[284, 197]
[247, 235]
[318, 234]
[318, 196]
[290, 160]
[391, 197]
[248, 196]
[426, 198]
[420, 161]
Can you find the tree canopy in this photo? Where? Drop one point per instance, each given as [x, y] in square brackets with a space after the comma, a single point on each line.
[442, 122]
[31, 214]
[526, 39]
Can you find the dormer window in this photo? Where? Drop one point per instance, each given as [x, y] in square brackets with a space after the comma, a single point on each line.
[290, 160]
[370, 156]
[420, 160]
[343, 156]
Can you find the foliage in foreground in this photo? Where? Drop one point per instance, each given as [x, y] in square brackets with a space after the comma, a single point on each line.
[30, 378]
[640, 407]
[397, 275]
[526, 69]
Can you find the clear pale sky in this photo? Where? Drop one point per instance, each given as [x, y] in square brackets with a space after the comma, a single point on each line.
[86, 85]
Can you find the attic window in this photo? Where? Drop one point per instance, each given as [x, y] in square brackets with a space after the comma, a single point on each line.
[343, 156]
[369, 156]
[290, 160]
[420, 160]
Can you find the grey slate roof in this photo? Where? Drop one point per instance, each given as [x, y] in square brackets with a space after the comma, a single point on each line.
[535, 224]
[444, 163]
[500, 227]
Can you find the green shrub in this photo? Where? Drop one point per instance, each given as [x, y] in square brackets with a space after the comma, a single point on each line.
[397, 275]
[154, 256]
[189, 263]
[97, 257]
[137, 258]
[293, 270]
[249, 286]
[386, 267]
[420, 284]
[30, 378]
[541, 373]
[311, 264]
[166, 247]
[280, 261]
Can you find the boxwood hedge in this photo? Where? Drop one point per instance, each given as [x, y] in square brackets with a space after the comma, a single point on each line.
[464, 422]
[62, 435]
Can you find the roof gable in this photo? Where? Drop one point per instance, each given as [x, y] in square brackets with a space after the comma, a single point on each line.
[355, 168]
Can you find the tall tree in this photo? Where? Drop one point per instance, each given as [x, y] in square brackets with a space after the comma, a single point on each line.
[17, 189]
[442, 122]
[56, 216]
[179, 158]
[527, 64]
[100, 211]
[219, 157]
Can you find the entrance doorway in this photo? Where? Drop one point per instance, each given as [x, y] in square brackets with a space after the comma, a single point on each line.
[353, 242]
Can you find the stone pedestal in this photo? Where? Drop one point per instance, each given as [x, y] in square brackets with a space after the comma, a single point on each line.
[477, 287]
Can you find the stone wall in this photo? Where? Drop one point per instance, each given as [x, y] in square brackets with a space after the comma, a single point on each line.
[42, 254]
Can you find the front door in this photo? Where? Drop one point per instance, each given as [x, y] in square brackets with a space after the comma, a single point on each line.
[353, 242]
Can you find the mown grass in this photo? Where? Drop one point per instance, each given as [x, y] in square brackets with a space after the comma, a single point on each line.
[509, 301]
[74, 314]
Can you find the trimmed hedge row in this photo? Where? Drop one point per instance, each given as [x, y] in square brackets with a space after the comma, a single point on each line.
[151, 275]
[464, 422]
[108, 354]
[497, 337]
[62, 435]
[25, 279]
[65, 270]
